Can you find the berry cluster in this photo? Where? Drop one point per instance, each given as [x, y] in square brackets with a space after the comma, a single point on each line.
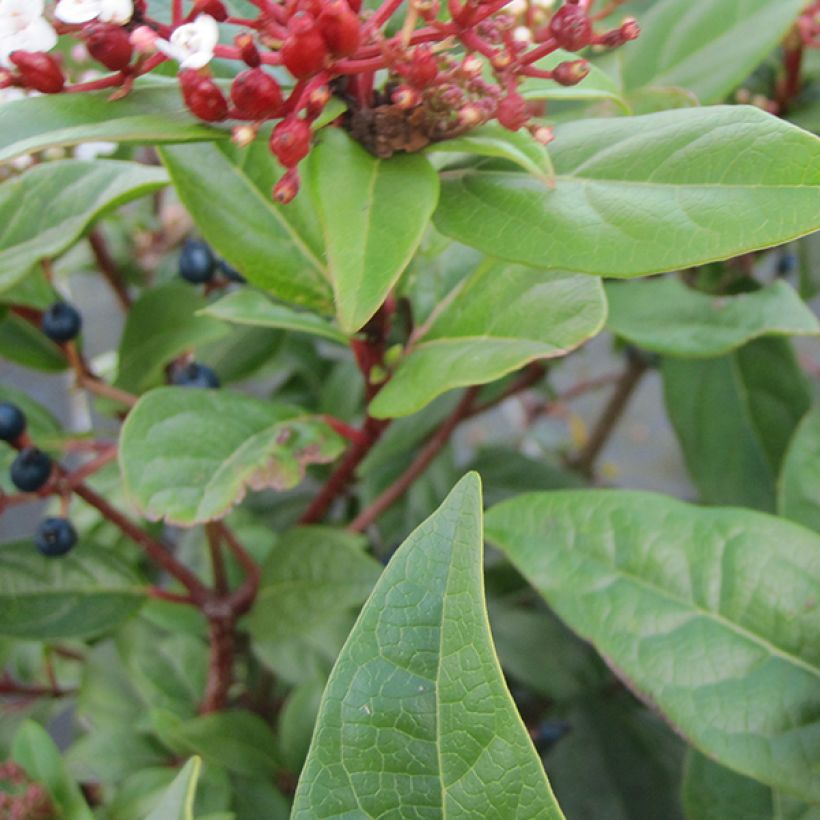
[441, 72]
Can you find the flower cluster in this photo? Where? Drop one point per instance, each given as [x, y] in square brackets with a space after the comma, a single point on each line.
[409, 73]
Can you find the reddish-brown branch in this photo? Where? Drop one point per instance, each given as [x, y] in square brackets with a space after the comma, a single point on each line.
[108, 268]
[220, 667]
[213, 534]
[241, 600]
[90, 382]
[9, 686]
[171, 597]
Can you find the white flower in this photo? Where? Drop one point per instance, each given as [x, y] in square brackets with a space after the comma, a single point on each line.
[192, 45]
[23, 28]
[521, 34]
[75, 12]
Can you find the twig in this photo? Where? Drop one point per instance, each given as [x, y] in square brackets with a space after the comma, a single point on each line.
[214, 537]
[9, 686]
[108, 268]
[220, 666]
[241, 600]
[93, 384]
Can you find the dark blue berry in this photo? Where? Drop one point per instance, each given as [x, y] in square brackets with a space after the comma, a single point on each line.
[231, 273]
[30, 470]
[786, 264]
[61, 322]
[196, 262]
[195, 375]
[55, 537]
[548, 733]
[12, 421]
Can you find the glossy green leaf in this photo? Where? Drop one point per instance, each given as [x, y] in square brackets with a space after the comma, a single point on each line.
[162, 324]
[178, 801]
[734, 416]
[153, 112]
[416, 720]
[645, 194]
[492, 140]
[665, 316]
[368, 245]
[76, 193]
[309, 577]
[262, 240]
[706, 47]
[710, 615]
[799, 486]
[25, 344]
[502, 318]
[250, 307]
[84, 594]
[713, 792]
[187, 455]
[37, 753]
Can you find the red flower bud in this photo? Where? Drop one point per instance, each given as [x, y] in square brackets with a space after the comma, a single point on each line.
[256, 94]
[288, 186]
[406, 98]
[512, 112]
[214, 8]
[39, 71]
[248, 50]
[423, 68]
[571, 72]
[290, 141]
[304, 51]
[202, 96]
[571, 28]
[339, 28]
[109, 44]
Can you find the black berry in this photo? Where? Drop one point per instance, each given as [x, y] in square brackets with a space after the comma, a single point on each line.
[787, 263]
[12, 421]
[231, 273]
[195, 375]
[196, 262]
[61, 322]
[55, 537]
[548, 733]
[30, 470]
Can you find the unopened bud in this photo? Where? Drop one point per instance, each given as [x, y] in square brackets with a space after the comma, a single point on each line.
[248, 50]
[39, 71]
[470, 116]
[243, 135]
[423, 68]
[512, 112]
[339, 27]
[286, 189]
[571, 27]
[290, 141]
[144, 40]
[256, 94]
[304, 51]
[630, 29]
[570, 72]
[317, 100]
[406, 98]
[500, 60]
[471, 66]
[109, 44]
[543, 134]
[213, 8]
[202, 96]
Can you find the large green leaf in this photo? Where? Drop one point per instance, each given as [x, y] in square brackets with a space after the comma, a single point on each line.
[502, 318]
[310, 576]
[713, 792]
[189, 455]
[709, 614]
[45, 210]
[370, 244]
[734, 416]
[178, 801]
[706, 47]
[799, 486]
[665, 316]
[645, 194]
[416, 720]
[261, 239]
[152, 113]
[86, 593]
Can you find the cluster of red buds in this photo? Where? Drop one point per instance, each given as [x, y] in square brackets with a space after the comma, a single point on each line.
[408, 76]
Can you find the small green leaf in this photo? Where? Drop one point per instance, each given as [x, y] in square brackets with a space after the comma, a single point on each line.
[502, 318]
[188, 456]
[76, 193]
[83, 594]
[296, 721]
[369, 245]
[250, 307]
[416, 720]
[641, 195]
[799, 488]
[711, 615]
[178, 801]
[265, 242]
[665, 316]
[25, 344]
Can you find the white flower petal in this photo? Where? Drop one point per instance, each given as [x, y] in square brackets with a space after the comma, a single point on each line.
[116, 11]
[75, 12]
[37, 36]
[192, 45]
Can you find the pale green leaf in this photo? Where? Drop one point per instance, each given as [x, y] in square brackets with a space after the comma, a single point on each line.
[178, 801]
[799, 487]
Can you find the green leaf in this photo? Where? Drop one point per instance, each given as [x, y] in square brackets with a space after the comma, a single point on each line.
[369, 245]
[734, 454]
[710, 615]
[152, 113]
[712, 792]
[76, 193]
[665, 316]
[178, 801]
[311, 575]
[493, 140]
[416, 720]
[296, 721]
[188, 456]
[262, 240]
[799, 486]
[250, 307]
[706, 47]
[502, 318]
[25, 344]
[37, 753]
[162, 323]
[85, 593]
[642, 195]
